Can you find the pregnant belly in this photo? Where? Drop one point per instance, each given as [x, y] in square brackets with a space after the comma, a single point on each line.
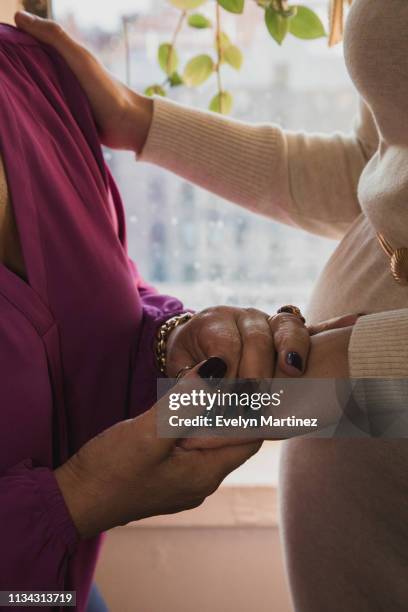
[356, 279]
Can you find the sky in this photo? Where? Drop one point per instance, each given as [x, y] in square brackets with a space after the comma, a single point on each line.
[105, 14]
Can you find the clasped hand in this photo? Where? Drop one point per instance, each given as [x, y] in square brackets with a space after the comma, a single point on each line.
[250, 342]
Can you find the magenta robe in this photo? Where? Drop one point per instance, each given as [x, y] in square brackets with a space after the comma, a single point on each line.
[76, 341]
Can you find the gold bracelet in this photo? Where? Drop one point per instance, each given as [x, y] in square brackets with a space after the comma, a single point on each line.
[162, 337]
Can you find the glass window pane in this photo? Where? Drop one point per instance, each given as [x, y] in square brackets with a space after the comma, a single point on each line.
[186, 241]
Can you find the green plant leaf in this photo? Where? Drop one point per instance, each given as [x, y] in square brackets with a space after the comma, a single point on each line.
[198, 70]
[224, 41]
[306, 24]
[175, 80]
[233, 56]
[186, 5]
[155, 90]
[222, 103]
[199, 21]
[277, 25]
[168, 58]
[232, 6]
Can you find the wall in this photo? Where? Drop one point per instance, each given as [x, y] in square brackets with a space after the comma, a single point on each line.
[222, 557]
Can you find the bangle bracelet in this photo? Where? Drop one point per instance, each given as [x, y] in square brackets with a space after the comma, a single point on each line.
[162, 337]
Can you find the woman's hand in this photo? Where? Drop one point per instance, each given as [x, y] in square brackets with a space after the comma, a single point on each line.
[328, 358]
[245, 338]
[123, 117]
[128, 473]
[251, 343]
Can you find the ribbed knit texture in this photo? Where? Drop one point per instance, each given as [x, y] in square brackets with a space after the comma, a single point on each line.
[379, 345]
[175, 145]
[378, 362]
[248, 165]
[309, 181]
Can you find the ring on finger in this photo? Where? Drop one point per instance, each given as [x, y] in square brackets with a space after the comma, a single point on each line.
[290, 309]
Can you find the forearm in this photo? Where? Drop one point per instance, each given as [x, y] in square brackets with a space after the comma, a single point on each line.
[328, 356]
[309, 181]
[305, 180]
[91, 511]
[318, 396]
[374, 356]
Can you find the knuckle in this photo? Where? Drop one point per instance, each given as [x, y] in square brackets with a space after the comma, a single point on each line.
[54, 27]
[207, 312]
[293, 337]
[262, 339]
[281, 335]
[229, 343]
[254, 312]
[289, 325]
[211, 311]
[287, 318]
[206, 321]
[233, 341]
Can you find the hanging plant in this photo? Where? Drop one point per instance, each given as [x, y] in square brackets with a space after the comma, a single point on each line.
[281, 20]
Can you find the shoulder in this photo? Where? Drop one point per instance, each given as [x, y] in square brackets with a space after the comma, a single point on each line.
[10, 34]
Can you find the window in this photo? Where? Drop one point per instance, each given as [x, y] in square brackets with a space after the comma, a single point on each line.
[186, 241]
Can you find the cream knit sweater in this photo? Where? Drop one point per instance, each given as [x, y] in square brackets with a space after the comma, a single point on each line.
[343, 186]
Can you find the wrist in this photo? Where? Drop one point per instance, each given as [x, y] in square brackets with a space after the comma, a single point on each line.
[165, 335]
[77, 499]
[328, 355]
[140, 120]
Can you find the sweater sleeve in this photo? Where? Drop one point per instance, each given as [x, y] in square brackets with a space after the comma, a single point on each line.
[378, 358]
[305, 180]
[36, 531]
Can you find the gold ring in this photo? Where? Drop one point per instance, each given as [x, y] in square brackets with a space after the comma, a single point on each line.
[182, 372]
[294, 310]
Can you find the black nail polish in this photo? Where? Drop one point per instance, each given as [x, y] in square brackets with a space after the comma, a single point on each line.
[295, 360]
[214, 367]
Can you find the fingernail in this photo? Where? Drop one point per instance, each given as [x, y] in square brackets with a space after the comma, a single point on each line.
[295, 360]
[214, 367]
